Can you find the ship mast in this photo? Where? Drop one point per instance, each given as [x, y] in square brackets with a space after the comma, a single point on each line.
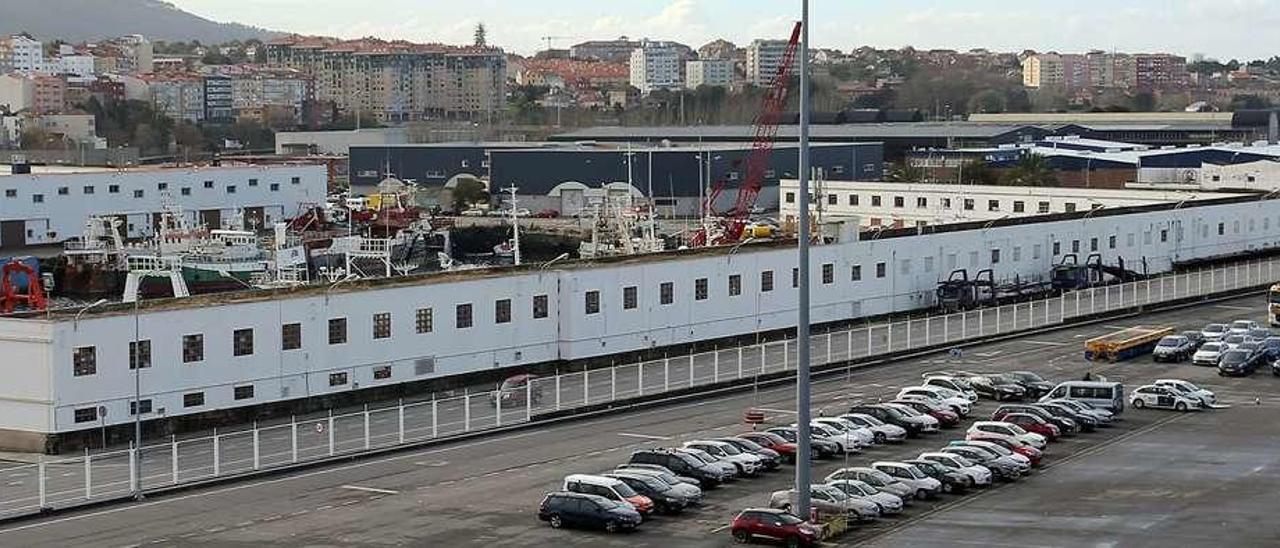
[515, 227]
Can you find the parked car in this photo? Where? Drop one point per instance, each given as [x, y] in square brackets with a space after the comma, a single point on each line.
[953, 384]
[682, 464]
[1102, 416]
[1233, 341]
[978, 475]
[1242, 327]
[1214, 332]
[1084, 422]
[1210, 354]
[930, 424]
[1034, 384]
[1107, 395]
[925, 487]
[685, 487]
[1237, 363]
[773, 525]
[953, 482]
[1066, 425]
[881, 432]
[1196, 338]
[1260, 334]
[946, 417]
[1271, 345]
[995, 389]
[1024, 461]
[863, 435]
[874, 478]
[772, 442]
[1161, 397]
[1275, 368]
[666, 500]
[827, 500]
[610, 488]
[1254, 348]
[730, 470]
[1032, 423]
[769, 458]
[1002, 468]
[956, 401]
[584, 510]
[821, 448]
[1206, 397]
[1174, 348]
[846, 443]
[987, 430]
[745, 464]
[889, 503]
[894, 416]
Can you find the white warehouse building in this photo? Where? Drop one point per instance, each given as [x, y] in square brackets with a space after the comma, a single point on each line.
[49, 207]
[207, 355]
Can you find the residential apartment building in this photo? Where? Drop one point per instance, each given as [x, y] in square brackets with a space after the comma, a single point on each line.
[708, 72]
[17, 92]
[1098, 69]
[70, 62]
[655, 65]
[763, 59]
[218, 98]
[21, 54]
[1158, 70]
[614, 51]
[398, 81]
[178, 95]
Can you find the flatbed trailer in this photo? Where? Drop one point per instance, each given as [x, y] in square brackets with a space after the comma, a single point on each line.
[1125, 344]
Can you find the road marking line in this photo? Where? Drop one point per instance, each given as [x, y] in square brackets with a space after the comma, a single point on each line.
[767, 410]
[1115, 327]
[1046, 343]
[371, 489]
[720, 528]
[243, 524]
[1233, 307]
[643, 436]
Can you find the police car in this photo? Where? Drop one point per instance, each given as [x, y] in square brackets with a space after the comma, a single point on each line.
[1162, 397]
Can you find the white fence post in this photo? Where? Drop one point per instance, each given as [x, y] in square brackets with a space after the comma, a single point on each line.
[640, 377]
[927, 320]
[366, 427]
[134, 480]
[435, 417]
[586, 386]
[666, 374]
[946, 328]
[332, 445]
[558, 375]
[173, 457]
[497, 406]
[613, 382]
[848, 353]
[466, 412]
[88, 475]
[828, 347]
[982, 312]
[690, 370]
[40, 487]
[217, 454]
[786, 353]
[888, 339]
[400, 422]
[257, 449]
[869, 329]
[293, 438]
[739, 361]
[715, 364]
[528, 401]
[908, 333]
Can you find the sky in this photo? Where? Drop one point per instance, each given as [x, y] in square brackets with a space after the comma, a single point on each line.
[1222, 29]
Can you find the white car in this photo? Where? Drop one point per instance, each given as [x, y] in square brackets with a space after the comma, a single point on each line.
[864, 434]
[846, 443]
[1161, 397]
[881, 432]
[951, 399]
[1209, 354]
[1243, 327]
[889, 503]
[1214, 331]
[1012, 433]
[1234, 341]
[1206, 397]
[925, 487]
[953, 384]
[746, 463]
[980, 475]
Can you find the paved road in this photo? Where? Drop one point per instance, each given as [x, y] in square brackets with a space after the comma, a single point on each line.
[485, 491]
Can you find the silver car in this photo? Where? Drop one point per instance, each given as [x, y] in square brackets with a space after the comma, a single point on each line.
[827, 500]
[874, 478]
[980, 475]
[880, 431]
[925, 486]
[889, 503]
[690, 492]
[727, 468]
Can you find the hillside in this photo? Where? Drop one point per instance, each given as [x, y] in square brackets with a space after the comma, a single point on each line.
[81, 20]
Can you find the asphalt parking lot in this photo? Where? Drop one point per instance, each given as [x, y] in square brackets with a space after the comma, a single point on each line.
[1158, 478]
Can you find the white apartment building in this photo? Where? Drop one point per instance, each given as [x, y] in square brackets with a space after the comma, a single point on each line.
[180, 97]
[207, 355]
[71, 63]
[655, 66]
[763, 59]
[17, 92]
[708, 72]
[49, 208]
[898, 205]
[21, 54]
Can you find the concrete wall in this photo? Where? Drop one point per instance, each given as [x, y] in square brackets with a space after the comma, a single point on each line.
[338, 142]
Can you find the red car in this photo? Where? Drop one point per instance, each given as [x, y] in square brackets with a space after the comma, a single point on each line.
[773, 525]
[774, 442]
[1032, 454]
[946, 417]
[1032, 423]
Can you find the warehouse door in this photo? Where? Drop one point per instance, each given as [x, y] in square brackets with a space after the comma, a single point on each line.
[13, 234]
[254, 218]
[212, 218]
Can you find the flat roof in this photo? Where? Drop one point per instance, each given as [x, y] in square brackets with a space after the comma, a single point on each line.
[1160, 195]
[587, 145]
[1104, 117]
[884, 130]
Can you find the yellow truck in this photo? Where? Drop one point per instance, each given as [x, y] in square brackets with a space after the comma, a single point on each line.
[1125, 344]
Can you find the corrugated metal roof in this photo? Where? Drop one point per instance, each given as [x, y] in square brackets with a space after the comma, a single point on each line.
[846, 131]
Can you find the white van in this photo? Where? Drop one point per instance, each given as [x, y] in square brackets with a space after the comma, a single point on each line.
[1104, 394]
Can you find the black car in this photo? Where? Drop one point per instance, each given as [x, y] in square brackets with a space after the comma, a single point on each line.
[1196, 338]
[1238, 363]
[1034, 384]
[952, 482]
[1067, 426]
[681, 464]
[993, 387]
[889, 415]
[822, 449]
[1085, 422]
[1271, 346]
[665, 500]
[582, 510]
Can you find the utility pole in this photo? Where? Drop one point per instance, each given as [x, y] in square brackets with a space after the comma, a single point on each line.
[803, 462]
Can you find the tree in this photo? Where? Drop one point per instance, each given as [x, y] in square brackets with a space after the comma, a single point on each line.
[34, 138]
[481, 35]
[1248, 102]
[1031, 170]
[977, 172]
[468, 192]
